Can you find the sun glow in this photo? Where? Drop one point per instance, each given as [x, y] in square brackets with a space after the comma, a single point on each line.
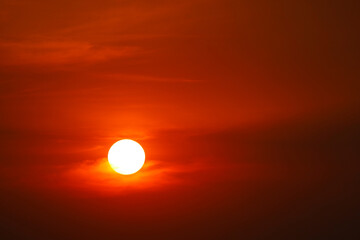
[126, 156]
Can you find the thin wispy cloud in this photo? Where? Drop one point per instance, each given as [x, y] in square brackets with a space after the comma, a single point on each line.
[52, 53]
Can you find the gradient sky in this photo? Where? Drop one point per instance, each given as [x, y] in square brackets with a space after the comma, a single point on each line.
[248, 111]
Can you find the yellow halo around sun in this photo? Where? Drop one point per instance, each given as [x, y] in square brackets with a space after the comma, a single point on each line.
[126, 157]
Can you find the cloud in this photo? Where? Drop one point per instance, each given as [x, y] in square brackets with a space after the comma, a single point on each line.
[60, 52]
[144, 78]
[98, 176]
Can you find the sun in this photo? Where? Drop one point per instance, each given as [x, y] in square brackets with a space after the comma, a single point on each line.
[126, 157]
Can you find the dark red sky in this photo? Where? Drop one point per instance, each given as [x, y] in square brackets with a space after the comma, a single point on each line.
[248, 111]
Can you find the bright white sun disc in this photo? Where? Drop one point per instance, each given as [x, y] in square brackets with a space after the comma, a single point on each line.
[126, 156]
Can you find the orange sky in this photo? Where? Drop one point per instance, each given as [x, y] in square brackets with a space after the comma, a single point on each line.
[228, 98]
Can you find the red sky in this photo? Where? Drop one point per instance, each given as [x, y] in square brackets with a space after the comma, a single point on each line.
[248, 112]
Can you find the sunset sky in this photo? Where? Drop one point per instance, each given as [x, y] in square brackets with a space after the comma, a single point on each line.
[248, 112]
